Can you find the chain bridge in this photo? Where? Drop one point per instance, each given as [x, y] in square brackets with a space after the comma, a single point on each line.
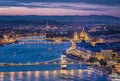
[63, 61]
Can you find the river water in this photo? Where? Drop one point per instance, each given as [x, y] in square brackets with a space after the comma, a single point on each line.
[24, 53]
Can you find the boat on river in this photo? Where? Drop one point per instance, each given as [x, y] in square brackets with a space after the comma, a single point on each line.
[49, 49]
[115, 77]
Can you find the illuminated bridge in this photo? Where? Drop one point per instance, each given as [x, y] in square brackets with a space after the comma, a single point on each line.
[40, 42]
[50, 62]
[63, 61]
[39, 38]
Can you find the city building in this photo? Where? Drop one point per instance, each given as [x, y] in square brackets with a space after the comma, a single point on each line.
[85, 36]
[7, 39]
[95, 46]
[49, 28]
[100, 50]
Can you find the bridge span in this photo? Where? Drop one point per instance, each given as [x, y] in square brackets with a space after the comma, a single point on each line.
[57, 61]
[42, 38]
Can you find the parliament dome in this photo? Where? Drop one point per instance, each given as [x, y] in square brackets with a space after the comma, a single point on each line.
[84, 35]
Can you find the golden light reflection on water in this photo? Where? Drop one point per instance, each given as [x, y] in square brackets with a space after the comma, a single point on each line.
[63, 71]
[12, 74]
[80, 71]
[37, 74]
[72, 72]
[1, 76]
[44, 75]
[20, 75]
[54, 73]
[89, 71]
[29, 73]
[47, 74]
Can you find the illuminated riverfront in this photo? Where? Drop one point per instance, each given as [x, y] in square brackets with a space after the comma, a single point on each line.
[59, 40]
[71, 75]
[41, 56]
[23, 53]
[63, 57]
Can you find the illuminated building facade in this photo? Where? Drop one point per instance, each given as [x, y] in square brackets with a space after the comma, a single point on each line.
[84, 35]
[100, 50]
[7, 39]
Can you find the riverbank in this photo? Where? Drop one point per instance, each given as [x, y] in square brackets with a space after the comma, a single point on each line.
[3, 42]
[96, 65]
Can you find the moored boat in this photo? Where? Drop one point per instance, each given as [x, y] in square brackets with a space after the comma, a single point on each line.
[115, 77]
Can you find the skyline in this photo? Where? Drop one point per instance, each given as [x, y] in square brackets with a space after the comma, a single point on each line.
[62, 7]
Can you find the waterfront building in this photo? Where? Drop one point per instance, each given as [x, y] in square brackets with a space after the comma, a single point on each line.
[107, 53]
[73, 45]
[76, 37]
[84, 35]
[7, 39]
[94, 47]
[49, 28]
[100, 50]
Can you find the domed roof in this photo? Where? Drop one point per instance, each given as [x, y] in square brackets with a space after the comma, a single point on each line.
[100, 40]
[84, 35]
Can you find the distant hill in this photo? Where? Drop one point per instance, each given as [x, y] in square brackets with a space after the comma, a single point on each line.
[83, 19]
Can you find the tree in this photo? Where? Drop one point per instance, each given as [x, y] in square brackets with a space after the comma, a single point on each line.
[92, 59]
[114, 57]
[103, 62]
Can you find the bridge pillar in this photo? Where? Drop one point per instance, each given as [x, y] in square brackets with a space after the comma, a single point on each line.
[63, 62]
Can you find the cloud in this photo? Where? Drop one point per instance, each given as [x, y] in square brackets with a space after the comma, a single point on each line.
[72, 6]
[46, 3]
[101, 2]
[80, 6]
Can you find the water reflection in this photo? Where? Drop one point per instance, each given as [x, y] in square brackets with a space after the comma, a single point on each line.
[37, 74]
[89, 71]
[47, 74]
[82, 75]
[1, 76]
[64, 72]
[54, 73]
[72, 72]
[12, 74]
[80, 71]
[20, 75]
[40, 53]
[29, 75]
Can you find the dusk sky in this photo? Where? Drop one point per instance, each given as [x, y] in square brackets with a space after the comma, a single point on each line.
[60, 7]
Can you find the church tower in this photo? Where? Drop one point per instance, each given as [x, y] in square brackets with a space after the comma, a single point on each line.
[75, 39]
[75, 36]
[47, 28]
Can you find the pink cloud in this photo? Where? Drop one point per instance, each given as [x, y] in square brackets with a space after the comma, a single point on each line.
[53, 11]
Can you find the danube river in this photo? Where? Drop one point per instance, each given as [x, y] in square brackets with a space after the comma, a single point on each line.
[33, 52]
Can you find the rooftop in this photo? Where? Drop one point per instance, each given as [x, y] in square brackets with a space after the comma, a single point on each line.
[99, 46]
